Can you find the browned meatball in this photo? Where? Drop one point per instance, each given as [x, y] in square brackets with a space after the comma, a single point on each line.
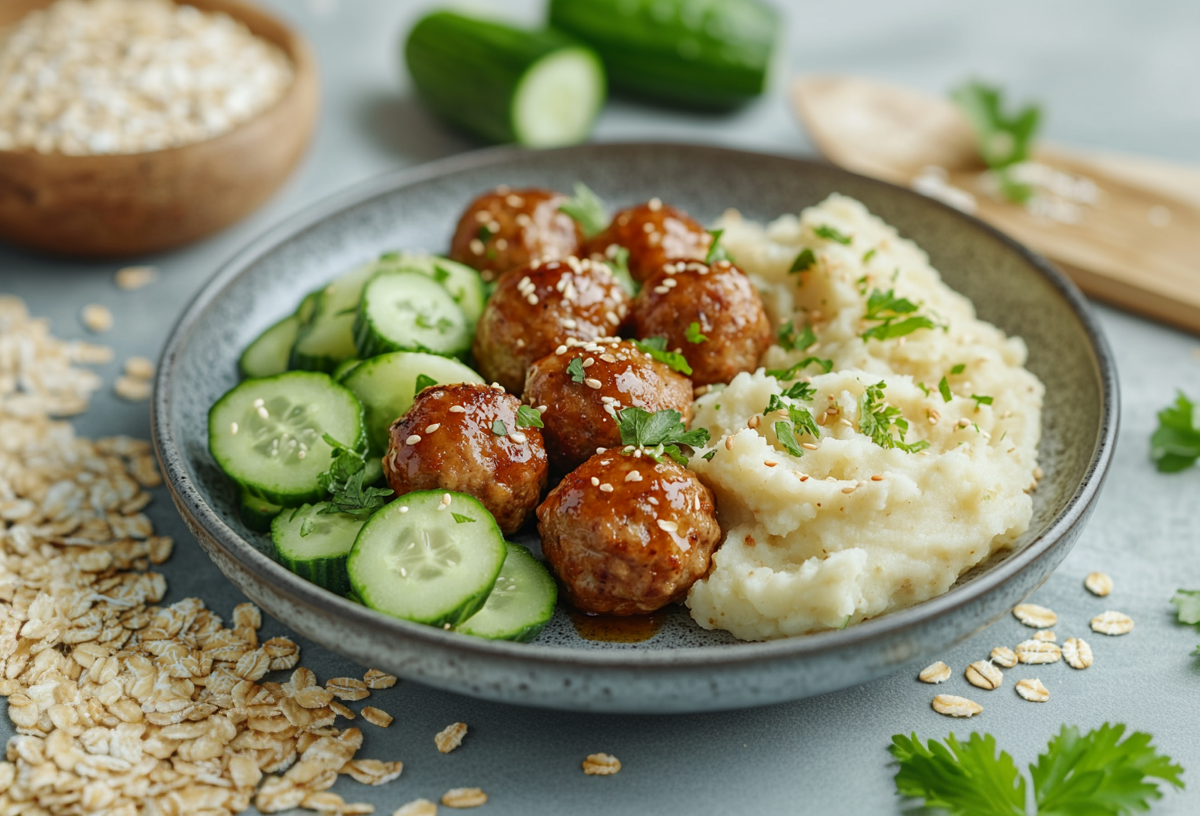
[653, 233]
[504, 229]
[538, 308]
[581, 407]
[627, 535]
[727, 309]
[448, 440]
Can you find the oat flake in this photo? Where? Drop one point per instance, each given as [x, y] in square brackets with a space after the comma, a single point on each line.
[601, 765]
[1038, 617]
[952, 706]
[1033, 690]
[417, 807]
[937, 672]
[1098, 583]
[1004, 656]
[1046, 635]
[1112, 623]
[1077, 653]
[450, 737]
[984, 675]
[464, 798]
[1038, 651]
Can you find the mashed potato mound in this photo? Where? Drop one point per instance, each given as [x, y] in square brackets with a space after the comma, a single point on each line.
[853, 528]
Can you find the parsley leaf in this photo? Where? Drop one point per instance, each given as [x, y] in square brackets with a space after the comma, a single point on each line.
[461, 519]
[344, 483]
[708, 456]
[619, 263]
[887, 309]
[587, 210]
[1004, 139]
[484, 234]
[784, 374]
[1187, 602]
[924, 388]
[787, 438]
[656, 347]
[693, 333]
[800, 390]
[796, 340]
[499, 428]
[529, 418]
[659, 433]
[966, 778]
[831, 234]
[944, 390]
[959, 369]
[716, 252]
[803, 261]
[1175, 446]
[575, 369]
[981, 400]
[877, 421]
[868, 255]
[423, 382]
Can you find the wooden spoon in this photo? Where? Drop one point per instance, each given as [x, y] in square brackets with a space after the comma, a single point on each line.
[1137, 248]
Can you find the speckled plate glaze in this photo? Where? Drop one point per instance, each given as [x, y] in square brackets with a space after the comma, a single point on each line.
[683, 667]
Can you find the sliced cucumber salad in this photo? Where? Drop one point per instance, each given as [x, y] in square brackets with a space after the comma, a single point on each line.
[314, 542]
[520, 604]
[407, 311]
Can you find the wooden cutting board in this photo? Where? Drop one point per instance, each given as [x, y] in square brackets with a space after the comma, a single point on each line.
[1137, 248]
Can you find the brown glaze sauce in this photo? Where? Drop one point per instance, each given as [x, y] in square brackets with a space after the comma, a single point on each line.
[618, 628]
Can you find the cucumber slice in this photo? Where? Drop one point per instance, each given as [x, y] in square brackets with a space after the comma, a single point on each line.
[423, 561]
[706, 53]
[344, 368]
[539, 88]
[520, 604]
[386, 385]
[308, 307]
[463, 283]
[328, 337]
[266, 434]
[315, 545]
[267, 355]
[258, 513]
[406, 311]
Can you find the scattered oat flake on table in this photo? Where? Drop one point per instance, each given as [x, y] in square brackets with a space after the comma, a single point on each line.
[1004, 656]
[1033, 690]
[984, 675]
[464, 798]
[139, 368]
[1112, 623]
[1038, 617]
[135, 277]
[372, 771]
[377, 716]
[338, 708]
[1038, 651]
[96, 318]
[376, 680]
[132, 389]
[952, 706]
[348, 689]
[1046, 634]
[601, 765]
[417, 807]
[1077, 653]
[1098, 583]
[937, 672]
[450, 737]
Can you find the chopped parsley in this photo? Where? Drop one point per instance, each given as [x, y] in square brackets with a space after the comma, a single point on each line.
[484, 234]
[575, 369]
[587, 210]
[944, 390]
[693, 333]
[959, 369]
[981, 400]
[784, 374]
[344, 483]
[1004, 139]
[461, 519]
[794, 339]
[787, 438]
[924, 388]
[708, 456]
[656, 347]
[803, 261]
[868, 255]
[1095, 773]
[499, 428]
[1175, 446]
[831, 234]
[888, 313]
[529, 418]
[658, 434]
[620, 267]
[441, 275]
[716, 252]
[423, 382]
[801, 391]
[878, 421]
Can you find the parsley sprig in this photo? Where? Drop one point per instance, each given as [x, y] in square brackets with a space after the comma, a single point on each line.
[658, 434]
[1187, 608]
[803, 261]
[799, 422]
[619, 263]
[1175, 446]
[716, 252]
[785, 374]
[1097, 773]
[832, 234]
[575, 369]
[656, 347]
[1004, 139]
[888, 312]
[880, 421]
[529, 417]
[344, 482]
[794, 339]
[694, 335]
[587, 210]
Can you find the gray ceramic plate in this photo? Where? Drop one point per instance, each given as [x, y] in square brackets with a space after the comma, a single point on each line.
[683, 668]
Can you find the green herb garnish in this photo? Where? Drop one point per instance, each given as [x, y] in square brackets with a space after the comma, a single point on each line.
[620, 267]
[796, 340]
[868, 255]
[1096, 773]
[801, 391]
[959, 369]
[575, 369]
[1175, 446]
[656, 347]
[499, 428]
[785, 374]
[887, 310]
[803, 262]
[306, 527]
[981, 400]
[716, 252]
[831, 234]
[659, 433]
[708, 456]
[787, 437]
[944, 390]
[484, 234]
[924, 388]
[423, 382]
[587, 210]
[878, 421]
[1004, 139]
[442, 326]
[529, 417]
[344, 482]
[461, 519]
[693, 334]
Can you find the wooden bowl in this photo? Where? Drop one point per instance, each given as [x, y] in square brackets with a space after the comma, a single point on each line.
[129, 204]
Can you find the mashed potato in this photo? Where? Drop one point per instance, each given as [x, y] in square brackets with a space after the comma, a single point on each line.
[857, 526]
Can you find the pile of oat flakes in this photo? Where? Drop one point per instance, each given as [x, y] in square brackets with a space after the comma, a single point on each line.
[121, 705]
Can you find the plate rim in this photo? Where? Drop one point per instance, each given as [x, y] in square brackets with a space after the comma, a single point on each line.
[195, 509]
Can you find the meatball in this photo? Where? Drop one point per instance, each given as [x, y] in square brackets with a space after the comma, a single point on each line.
[581, 407]
[466, 438]
[723, 304]
[628, 535]
[653, 233]
[505, 229]
[538, 308]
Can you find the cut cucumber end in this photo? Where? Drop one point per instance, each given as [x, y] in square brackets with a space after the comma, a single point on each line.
[520, 604]
[268, 354]
[315, 544]
[558, 98]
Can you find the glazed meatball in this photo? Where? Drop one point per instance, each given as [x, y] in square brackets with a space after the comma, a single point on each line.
[581, 407]
[628, 535]
[653, 233]
[724, 304]
[538, 308]
[448, 440]
[505, 229]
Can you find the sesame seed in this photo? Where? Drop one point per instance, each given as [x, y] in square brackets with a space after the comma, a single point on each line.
[846, 422]
[876, 478]
[850, 489]
[514, 201]
[633, 476]
[606, 488]
[476, 246]
[670, 283]
[301, 454]
[518, 437]
[446, 499]
[404, 508]
[754, 422]
[964, 422]
[611, 317]
[457, 409]
[533, 300]
[809, 446]
[667, 526]
[561, 350]
[590, 361]
[592, 382]
[729, 443]
[541, 409]
[494, 227]
[595, 482]
[654, 204]
[601, 450]
[433, 427]
[568, 322]
[258, 403]
[653, 501]
[482, 215]
[497, 387]
[233, 427]
[661, 290]
[412, 440]
[769, 463]
[262, 412]
[608, 358]
[637, 454]
[520, 343]
[501, 244]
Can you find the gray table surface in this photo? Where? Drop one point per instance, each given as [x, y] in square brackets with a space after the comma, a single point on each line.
[1114, 76]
